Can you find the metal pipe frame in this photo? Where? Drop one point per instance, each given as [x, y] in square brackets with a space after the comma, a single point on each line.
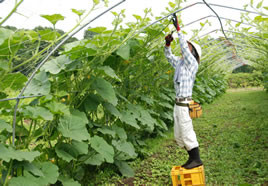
[191, 5]
[22, 97]
[216, 17]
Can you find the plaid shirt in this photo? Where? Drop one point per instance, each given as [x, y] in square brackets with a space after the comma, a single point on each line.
[185, 68]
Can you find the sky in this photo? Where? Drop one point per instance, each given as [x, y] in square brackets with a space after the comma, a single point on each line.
[28, 14]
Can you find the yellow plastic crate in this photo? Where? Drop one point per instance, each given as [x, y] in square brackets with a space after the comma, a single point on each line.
[195, 176]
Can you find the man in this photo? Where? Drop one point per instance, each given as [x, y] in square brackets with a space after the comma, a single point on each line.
[185, 72]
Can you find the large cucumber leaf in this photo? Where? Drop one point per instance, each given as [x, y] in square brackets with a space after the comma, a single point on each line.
[9, 153]
[105, 90]
[74, 126]
[102, 147]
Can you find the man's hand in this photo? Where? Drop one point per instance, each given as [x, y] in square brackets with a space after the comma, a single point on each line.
[168, 39]
[175, 22]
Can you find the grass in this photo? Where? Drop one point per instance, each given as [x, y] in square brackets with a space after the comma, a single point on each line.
[233, 136]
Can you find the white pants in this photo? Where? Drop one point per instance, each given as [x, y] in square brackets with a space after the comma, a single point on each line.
[183, 128]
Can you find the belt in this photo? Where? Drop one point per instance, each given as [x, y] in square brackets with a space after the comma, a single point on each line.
[182, 99]
[182, 104]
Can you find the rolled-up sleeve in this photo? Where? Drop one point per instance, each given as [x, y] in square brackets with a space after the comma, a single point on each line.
[172, 59]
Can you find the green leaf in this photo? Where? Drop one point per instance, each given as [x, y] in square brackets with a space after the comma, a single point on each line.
[106, 130]
[200, 88]
[50, 176]
[21, 131]
[102, 147]
[164, 96]
[39, 85]
[31, 167]
[259, 4]
[137, 17]
[50, 172]
[172, 5]
[266, 7]
[56, 65]
[165, 104]
[121, 133]
[251, 3]
[54, 18]
[23, 181]
[146, 119]
[148, 100]
[125, 147]
[5, 126]
[80, 147]
[105, 90]
[129, 119]
[124, 52]
[78, 12]
[74, 126]
[81, 115]
[134, 110]
[124, 168]
[31, 35]
[5, 34]
[91, 103]
[91, 49]
[9, 153]
[112, 109]
[70, 152]
[3, 64]
[162, 124]
[96, 1]
[69, 46]
[166, 116]
[68, 181]
[58, 108]
[48, 35]
[94, 159]
[109, 72]
[14, 81]
[37, 113]
[98, 29]
[237, 24]
[65, 152]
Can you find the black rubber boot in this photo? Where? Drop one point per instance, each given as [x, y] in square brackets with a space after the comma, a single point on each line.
[188, 161]
[195, 157]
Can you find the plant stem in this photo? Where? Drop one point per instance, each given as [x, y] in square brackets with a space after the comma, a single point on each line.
[17, 4]
[29, 134]
[8, 173]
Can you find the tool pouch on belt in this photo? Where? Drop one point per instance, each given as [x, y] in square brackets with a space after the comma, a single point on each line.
[195, 109]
